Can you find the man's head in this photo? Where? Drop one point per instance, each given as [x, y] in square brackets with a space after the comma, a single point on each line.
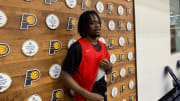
[89, 24]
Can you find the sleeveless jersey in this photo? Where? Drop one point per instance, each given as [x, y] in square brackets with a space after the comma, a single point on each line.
[87, 71]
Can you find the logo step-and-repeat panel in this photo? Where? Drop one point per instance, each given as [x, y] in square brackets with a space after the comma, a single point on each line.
[39, 34]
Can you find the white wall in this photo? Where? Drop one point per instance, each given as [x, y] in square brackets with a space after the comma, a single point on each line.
[153, 49]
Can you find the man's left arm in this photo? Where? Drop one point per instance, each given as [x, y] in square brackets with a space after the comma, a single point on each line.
[106, 65]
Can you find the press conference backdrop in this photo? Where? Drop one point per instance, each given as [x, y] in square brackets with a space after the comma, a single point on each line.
[15, 64]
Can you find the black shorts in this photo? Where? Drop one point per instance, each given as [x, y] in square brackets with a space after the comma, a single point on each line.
[100, 87]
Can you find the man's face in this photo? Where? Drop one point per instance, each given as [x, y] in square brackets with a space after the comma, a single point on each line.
[94, 27]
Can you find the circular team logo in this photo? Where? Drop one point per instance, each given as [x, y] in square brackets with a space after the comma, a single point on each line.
[55, 71]
[120, 10]
[111, 25]
[131, 84]
[113, 58]
[121, 41]
[129, 26]
[123, 99]
[52, 21]
[130, 55]
[35, 97]
[122, 72]
[71, 3]
[5, 82]
[30, 48]
[99, 7]
[4, 49]
[114, 92]
[3, 19]
[71, 42]
[102, 40]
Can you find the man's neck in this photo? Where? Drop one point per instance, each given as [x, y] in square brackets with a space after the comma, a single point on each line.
[91, 40]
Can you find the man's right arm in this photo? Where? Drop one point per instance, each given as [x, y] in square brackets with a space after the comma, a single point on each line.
[71, 83]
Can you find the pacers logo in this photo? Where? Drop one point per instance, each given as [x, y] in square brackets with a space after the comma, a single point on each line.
[28, 20]
[72, 23]
[131, 97]
[31, 75]
[110, 7]
[86, 4]
[4, 49]
[123, 87]
[120, 25]
[57, 94]
[102, 24]
[129, 40]
[128, 11]
[111, 42]
[113, 76]
[130, 70]
[122, 57]
[55, 45]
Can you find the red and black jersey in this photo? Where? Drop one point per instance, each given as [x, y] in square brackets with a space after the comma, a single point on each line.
[86, 72]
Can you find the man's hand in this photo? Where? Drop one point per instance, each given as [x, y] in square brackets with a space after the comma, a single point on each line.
[105, 64]
[95, 97]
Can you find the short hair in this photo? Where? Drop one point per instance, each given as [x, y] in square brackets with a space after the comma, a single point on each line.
[84, 21]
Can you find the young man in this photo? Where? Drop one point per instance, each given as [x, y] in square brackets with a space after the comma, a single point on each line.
[80, 67]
